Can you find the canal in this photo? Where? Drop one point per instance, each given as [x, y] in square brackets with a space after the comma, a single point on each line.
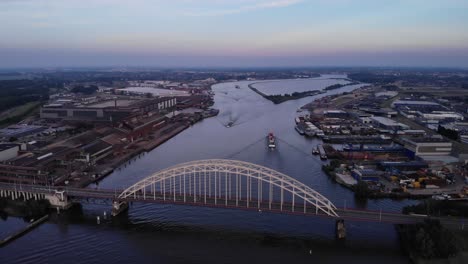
[180, 234]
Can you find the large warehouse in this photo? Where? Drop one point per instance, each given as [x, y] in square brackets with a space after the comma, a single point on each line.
[107, 111]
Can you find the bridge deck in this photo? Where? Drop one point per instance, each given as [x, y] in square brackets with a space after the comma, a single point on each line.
[224, 202]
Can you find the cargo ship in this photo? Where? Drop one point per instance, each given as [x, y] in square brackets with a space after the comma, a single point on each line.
[271, 140]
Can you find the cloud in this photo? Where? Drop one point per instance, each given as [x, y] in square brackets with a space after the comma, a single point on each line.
[257, 5]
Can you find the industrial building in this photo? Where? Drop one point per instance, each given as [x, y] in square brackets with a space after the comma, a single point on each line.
[107, 111]
[417, 105]
[8, 151]
[95, 151]
[335, 114]
[387, 123]
[45, 167]
[18, 131]
[140, 126]
[413, 165]
[442, 115]
[425, 146]
[365, 175]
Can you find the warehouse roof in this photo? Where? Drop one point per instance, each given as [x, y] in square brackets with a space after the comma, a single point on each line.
[7, 146]
[411, 102]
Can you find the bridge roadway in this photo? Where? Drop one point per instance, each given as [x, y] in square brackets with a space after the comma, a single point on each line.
[221, 202]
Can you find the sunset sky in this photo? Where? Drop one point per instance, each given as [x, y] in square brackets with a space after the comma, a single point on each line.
[208, 33]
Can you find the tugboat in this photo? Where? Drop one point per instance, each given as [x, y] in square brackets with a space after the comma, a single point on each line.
[271, 140]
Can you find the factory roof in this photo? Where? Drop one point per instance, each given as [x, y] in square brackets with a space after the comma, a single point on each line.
[7, 146]
[20, 130]
[96, 146]
[427, 140]
[386, 121]
[411, 102]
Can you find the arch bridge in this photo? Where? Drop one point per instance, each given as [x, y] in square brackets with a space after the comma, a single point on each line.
[230, 184]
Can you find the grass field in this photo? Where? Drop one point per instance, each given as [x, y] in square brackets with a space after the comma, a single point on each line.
[15, 114]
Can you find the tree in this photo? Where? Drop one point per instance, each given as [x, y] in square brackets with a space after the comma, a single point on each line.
[85, 90]
[424, 244]
[449, 133]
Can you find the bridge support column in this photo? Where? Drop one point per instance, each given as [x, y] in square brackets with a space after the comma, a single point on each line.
[119, 207]
[58, 200]
[340, 229]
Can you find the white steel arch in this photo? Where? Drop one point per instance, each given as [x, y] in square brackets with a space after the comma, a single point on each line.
[168, 178]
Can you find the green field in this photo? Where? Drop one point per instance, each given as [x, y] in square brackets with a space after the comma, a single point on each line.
[17, 113]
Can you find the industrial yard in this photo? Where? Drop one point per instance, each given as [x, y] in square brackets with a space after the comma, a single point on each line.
[394, 143]
[79, 138]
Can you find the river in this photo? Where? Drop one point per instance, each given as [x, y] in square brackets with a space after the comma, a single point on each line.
[183, 234]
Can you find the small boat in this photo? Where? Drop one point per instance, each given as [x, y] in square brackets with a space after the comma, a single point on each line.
[315, 151]
[229, 124]
[237, 87]
[271, 140]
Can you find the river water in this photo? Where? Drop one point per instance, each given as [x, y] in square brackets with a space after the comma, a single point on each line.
[182, 234]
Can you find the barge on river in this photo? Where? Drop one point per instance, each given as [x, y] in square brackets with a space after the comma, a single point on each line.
[322, 153]
[271, 140]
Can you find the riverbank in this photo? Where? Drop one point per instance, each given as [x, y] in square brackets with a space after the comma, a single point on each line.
[134, 150]
[338, 86]
[281, 98]
[430, 243]
[362, 191]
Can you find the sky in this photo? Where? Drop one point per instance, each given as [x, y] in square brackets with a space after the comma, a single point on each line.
[233, 33]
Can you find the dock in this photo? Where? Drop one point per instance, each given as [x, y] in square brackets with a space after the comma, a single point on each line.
[350, 139]
[23, 231]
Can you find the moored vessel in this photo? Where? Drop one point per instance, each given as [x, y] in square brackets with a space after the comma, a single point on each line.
[299, 129]
[323, 154]
[315, 151]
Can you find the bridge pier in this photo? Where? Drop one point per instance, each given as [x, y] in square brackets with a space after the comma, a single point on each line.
[340, 229]
[119, 207]
[58, 200]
